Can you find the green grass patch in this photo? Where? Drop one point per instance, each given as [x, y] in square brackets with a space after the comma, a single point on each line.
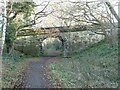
[95, 67]
[13, 67]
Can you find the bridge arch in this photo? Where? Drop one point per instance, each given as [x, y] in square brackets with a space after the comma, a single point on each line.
[57, 37]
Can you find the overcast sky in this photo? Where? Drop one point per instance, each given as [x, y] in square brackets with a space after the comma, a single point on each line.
[52, 21]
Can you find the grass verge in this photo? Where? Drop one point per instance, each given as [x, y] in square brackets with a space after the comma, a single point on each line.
[95, 67]
[13, 67]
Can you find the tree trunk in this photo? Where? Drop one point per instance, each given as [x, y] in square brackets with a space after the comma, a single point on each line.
[116, 16]
[11, 49]
[3, 28]
[113, 11]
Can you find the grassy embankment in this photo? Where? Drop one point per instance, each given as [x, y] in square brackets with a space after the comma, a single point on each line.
[94, 67]
[13, 69]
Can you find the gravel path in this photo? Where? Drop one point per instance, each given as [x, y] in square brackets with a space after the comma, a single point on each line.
[35, 74]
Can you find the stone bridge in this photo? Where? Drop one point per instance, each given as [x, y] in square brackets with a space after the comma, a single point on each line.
[54, 32]
[62, 33]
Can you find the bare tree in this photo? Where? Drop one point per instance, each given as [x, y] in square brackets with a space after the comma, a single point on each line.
[36, 16]
[93, 14]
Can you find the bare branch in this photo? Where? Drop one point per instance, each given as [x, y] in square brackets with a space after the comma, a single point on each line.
[37, 16]
[113, 11]
[43, 9]
[99, 33]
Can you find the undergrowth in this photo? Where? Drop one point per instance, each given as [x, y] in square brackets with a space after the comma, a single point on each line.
[13, 67]
[95, 67]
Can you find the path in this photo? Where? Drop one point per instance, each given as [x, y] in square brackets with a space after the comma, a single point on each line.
[35, 75]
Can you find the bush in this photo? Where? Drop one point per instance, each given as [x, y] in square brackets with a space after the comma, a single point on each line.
[13, 67]
[30, 50]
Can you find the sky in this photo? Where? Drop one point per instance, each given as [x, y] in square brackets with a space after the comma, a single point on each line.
[52, 21]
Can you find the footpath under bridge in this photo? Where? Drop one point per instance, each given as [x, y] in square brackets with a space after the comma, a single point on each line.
[54, 32]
